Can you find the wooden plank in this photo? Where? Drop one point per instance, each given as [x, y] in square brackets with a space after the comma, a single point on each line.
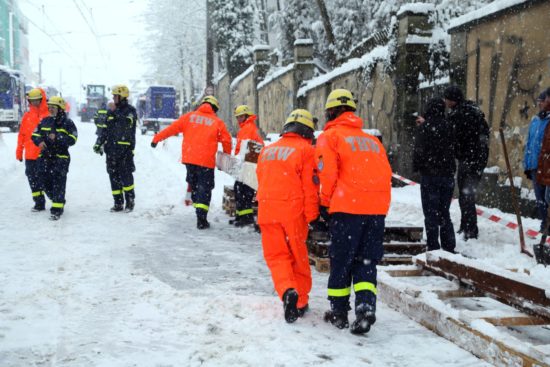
[516, 321]
[322, 265]
[408, 248]
[502, 287]
[492, 349]
[402, 233]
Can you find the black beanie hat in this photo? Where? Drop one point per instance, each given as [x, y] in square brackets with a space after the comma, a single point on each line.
[453, 93]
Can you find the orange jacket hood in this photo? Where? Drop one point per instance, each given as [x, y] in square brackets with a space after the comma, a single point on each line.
[354, 169]
[248, 131]
[29, 122]
[202, 131]
[287, 183]
[346, 119]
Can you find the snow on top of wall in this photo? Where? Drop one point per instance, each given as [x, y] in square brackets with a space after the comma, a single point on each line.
[275, 75]
[378, 53]
[416, 8]
[219, 77]
[487, 10]
[431, 83]
[261, 48]
[238, 79]
[416, 39]
[303, 41]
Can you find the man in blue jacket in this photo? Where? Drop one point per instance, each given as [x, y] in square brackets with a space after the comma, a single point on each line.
[531, 158]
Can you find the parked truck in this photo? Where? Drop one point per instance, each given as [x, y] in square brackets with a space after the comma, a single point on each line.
[12, 98]
[159, 108]
[95, 99]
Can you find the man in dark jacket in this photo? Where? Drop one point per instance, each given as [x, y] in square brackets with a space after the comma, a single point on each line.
[118, 139]
[434, 158]
[54, 135]
[472, 153]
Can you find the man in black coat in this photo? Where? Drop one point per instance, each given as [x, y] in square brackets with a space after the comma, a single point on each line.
[472, 153]
[118, 140]
[434, 158]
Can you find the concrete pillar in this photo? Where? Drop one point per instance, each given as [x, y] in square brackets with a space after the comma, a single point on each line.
[304, 67]
[414, 33]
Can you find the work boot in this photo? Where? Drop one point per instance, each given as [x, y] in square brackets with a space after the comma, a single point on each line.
[202, 223]
[244, 220]
[117, 208]
[338, 319]
[362, 323]
[290, 299]
[302, 310]
[470, 235]
[38, 208]
[129, 206]
[55, 216]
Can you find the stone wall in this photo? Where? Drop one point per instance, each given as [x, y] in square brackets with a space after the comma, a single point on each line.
[276, 101]
[503, 60]
[224, 98]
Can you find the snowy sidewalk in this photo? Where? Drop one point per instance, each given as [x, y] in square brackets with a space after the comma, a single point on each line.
[148, 289]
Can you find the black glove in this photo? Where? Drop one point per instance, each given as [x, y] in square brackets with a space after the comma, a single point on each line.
[153, 144]
[98, 149]
[323, 212]
[529, 174]
[318, 226]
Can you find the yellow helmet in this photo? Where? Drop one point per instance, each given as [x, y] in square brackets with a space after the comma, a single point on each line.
[301, 116]
[243, 110]
[120, 90]
[34, 94]
[212, 100]
[57, 101]
[340, 97]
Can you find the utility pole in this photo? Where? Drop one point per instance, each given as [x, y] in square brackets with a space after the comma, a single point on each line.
[209, 45]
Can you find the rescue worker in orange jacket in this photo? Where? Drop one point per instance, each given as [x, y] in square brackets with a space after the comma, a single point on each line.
[355, 196]
[244, 194]
[38, 109]
[287, 201]
[202, 131]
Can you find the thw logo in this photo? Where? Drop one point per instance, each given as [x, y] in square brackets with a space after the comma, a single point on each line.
[277, 153]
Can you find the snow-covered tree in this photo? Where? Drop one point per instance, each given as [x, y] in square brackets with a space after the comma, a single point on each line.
[233, 27]
[175, 45]
[294, 21]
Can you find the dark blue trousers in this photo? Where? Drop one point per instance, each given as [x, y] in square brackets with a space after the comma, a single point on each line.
[244, 195]
[436, 194]
[54, 175]
[32, 171]
[356, 248]
[201, 180]
[120, 167]
[467, 182]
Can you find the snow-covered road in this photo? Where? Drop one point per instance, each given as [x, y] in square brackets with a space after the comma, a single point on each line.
[147, 289]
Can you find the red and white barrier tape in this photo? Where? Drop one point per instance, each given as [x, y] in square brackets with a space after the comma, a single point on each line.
[480, 212]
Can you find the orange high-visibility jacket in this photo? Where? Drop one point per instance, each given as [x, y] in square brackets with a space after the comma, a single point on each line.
[287, 181]
[202, 130]
[29, 122]
[353, 167]
[248, 131]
